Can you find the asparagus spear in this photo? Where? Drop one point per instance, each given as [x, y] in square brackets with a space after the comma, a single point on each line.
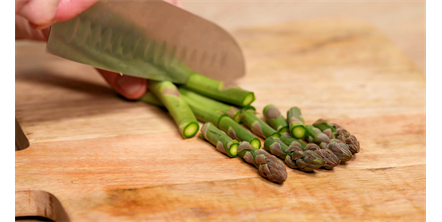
[293, 155]
[335, 131]
[214, 89]
[220, 140]
[331, 160]
[340, 149]
[150, 98]
[296, 123]
[268, 165]
[275, 119]
[168, 94]
[225, 123]
[203, 114]
[238, 132]
[316, 136]
[231, 111]
[257, 126]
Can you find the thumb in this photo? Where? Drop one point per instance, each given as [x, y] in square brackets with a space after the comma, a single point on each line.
[128, 86]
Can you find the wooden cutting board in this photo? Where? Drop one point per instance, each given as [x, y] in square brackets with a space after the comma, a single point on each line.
[98, 157]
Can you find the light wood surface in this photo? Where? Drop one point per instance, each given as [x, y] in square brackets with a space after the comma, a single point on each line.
[402, 21]
[37, 203]
[107, 159]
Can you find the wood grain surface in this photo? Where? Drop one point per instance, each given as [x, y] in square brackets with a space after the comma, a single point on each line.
[108, 159]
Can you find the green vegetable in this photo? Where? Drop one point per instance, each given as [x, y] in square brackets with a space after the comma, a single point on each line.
[314, 135]
[150, 98]
[211, 104]
[334, 131]
[220, 140]
[257, 126]
[214, 89]
[293, 155]
[296, 123]
[340, 149]
[238, 132]
[268, 165]
[168, 94]
[275, 119]
[331, 160]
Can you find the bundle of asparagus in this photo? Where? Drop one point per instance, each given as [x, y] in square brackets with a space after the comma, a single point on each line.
[277, 121]
[333, 130]
[168, 94]
[223, 110]
[340, 149]
[293, 155]
[268, 166]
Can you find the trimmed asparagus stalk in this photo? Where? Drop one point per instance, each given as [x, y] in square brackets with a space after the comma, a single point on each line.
[168, 94]
[287, 139]
[214, 89]
[275, 119]
[220, 140]
[150, 98]
[268, 165]
[238, 132]
[231, 111]
[226, 124]
[257, 126]
[293, 155]
[296, 123]
[316, 136]
[339, 148]
[335, 131]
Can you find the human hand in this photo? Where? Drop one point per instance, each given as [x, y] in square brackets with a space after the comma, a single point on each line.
[32, 21]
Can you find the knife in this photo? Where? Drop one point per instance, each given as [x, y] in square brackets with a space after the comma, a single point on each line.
[150, 39]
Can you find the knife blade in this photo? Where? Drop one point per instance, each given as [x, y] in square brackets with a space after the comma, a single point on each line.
[149, 39]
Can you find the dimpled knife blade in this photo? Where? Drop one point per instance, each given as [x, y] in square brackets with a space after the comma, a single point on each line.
[149, 39]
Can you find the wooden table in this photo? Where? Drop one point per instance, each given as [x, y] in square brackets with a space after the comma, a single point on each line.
[102, 158]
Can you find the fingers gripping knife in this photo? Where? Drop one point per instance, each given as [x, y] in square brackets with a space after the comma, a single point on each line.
[150, 39]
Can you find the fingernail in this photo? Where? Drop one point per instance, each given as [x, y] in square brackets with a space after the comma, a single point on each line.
[40, 27]
[129, 85]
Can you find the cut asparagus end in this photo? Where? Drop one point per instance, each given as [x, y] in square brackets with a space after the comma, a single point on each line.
[190, 130]
[222, 142]
[283, 130]
[233, 149]
[180, 111]
[248, 99]
[256, 143]
[298, 131]
[296, 123]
